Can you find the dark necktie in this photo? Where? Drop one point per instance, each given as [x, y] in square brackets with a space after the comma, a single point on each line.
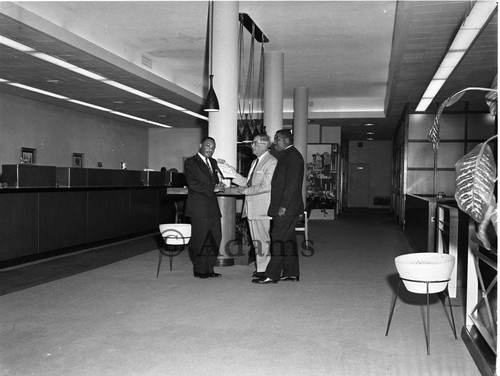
[254, 165]
[208, 165]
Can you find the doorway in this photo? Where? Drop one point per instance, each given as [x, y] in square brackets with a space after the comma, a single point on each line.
[359, 185]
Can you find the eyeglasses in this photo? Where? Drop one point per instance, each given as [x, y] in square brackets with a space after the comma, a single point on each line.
[258, 142]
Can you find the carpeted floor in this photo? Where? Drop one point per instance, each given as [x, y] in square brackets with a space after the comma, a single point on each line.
[32, 274]
[119, 319]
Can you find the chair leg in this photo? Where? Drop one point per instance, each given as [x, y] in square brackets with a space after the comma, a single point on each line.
[159, 263]
[306, 228]
[428, 331]
[392, 308]
[171, 258]
[451, 313]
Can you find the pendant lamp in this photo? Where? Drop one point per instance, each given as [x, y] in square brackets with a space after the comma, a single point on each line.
[211, 103]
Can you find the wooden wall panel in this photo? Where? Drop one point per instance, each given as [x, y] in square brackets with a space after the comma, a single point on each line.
[480, 127]
[445, 182]
[449, 154]
[143, 209]
[419, 126]
[108, 213]
[452, 127]
[18, 225]
[63, 219]
[420, 182]
[420, 155]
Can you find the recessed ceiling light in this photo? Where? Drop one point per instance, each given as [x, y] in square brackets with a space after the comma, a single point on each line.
[369, 124]
[370, 132]
[370, 139]
[118, 102]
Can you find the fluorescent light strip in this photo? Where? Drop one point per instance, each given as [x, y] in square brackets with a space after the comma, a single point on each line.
[64, 64]
[443, 73]
[452, 59]
[464, 38]
[140, 119]
[39, 91]
[127, 89]
[104, 109]
[15, 45]
[89, 105]
[167, 104]
[196, 115]
[424, 104]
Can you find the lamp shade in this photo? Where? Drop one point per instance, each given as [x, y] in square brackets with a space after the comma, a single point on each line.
[211, 103]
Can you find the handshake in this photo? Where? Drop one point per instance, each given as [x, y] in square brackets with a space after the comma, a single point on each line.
[219, 187]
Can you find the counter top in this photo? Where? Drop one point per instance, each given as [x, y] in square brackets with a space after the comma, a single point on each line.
[232, 191]
[431, 198]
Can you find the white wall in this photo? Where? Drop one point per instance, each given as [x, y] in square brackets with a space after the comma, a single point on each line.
[56, 133]
[169, 147]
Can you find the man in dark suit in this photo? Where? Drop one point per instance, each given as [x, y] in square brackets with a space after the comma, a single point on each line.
[203, 209]
[285, 207]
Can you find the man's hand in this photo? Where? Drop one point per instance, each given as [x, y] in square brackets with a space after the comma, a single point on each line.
[220, 187]
[281, 212]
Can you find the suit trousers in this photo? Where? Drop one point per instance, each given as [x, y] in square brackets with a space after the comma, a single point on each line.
[284, 248]
[206, 236]
[259, 230]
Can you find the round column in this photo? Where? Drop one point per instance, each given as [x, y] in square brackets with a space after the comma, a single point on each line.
[300, 121]
[273, 91]
[222, 125]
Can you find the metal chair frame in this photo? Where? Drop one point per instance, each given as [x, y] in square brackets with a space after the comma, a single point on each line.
[304, 229]
[166, 250]
[427, 327]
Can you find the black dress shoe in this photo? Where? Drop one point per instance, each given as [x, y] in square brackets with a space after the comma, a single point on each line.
[201, 275]
[215, 275]
[289, 278]
[264, 280]
[257, 274]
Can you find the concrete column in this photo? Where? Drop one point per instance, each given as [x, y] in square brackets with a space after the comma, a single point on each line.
[222, 125]
[273, 91]
[300, 121]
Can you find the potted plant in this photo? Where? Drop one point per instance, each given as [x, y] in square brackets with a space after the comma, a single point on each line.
[243, 240]
[476, 172]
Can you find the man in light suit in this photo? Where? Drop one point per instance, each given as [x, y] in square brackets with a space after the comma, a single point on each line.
[285, 207]
[257, 190]
[203, 209]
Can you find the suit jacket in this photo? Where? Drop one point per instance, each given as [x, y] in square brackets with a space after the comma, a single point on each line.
[201, 200]
[258, 195]
[286, 186]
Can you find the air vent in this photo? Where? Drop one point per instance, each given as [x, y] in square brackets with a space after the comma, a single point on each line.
[147, 61]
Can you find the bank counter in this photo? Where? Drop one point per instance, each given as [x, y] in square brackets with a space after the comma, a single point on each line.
[421, 212]
[437, 225]
[45, 210]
